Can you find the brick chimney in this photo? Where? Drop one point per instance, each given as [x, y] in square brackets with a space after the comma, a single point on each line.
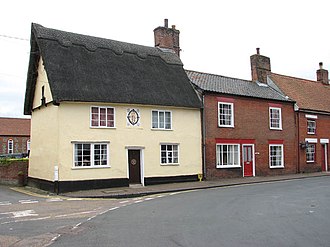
[166, 37]
[260, 67]
[322, 75]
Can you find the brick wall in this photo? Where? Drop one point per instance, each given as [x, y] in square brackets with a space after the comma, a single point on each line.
[251, 118]
[10, 170]
[322, 132]
[20, 144]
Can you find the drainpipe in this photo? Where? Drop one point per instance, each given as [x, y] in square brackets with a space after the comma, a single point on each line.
[298, 143]
[203, 138]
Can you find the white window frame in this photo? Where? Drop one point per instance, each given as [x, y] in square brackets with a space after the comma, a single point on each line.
[10, 145]
[170, 151]
[106, 120]
[308, 154]
[158, 123]
[279, 120]
[28, 145]
[231, 125]
[308, 129]
[282, 155]
[92, 153]
[219, 160]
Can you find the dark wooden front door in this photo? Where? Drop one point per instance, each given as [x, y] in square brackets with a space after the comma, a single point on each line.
[134, 166]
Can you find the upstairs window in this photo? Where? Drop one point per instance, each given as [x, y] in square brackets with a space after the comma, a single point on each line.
[161, 120]
[102, 117]
[225, 114]
[310, 153]
[311, 127]
[275, 118]
[10, 146]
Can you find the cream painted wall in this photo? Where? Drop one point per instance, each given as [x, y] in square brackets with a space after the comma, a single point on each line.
[74, 125]
[44, 143]
[54, 128]
[42, 80]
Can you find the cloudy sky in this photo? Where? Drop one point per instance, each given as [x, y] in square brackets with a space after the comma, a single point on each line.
[216, 36]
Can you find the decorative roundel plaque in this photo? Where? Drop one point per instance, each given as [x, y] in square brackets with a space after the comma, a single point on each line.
[133, 162]
[133, 117]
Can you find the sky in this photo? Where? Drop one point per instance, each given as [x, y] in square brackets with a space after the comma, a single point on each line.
[216, 36]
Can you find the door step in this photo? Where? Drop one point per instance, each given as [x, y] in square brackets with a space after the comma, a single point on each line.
[135, 186]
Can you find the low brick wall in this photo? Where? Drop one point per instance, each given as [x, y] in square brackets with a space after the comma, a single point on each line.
[14, 172]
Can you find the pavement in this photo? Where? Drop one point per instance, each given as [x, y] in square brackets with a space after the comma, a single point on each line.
[137, 191]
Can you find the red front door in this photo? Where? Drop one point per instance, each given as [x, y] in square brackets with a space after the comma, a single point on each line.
[248, 160]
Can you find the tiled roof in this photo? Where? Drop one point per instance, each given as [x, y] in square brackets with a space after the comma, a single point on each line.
[83, 68]
[233, 86]
[309, 95]
[15, 127]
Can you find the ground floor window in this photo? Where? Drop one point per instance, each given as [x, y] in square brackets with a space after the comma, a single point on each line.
[169, 154]
[228, 155]
[310, 153]
[91, 154]
[276, 156]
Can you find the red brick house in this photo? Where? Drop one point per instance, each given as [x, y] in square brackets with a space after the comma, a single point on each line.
[14, 135]
[248, 127]
[312, 112]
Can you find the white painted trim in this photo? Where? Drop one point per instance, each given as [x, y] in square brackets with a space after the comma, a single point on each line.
[311, 116]
[270, 122]
[324, 141]
[282, 158]
[253, 159]
[232, 125]
[92, 144]
[102, 127]
[227, 166]
[160, 154]
[326, 156]
[311, 140]
[156, 110]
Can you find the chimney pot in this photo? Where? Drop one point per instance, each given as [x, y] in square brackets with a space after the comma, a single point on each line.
[258, 51]
[321, 65]
[166, 23]
[173, 27]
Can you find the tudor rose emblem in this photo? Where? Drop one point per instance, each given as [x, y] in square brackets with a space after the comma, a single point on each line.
[133, 117]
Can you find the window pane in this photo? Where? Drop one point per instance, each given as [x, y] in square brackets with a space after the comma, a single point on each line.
[154, 119]
[161, 120]
[167, 120]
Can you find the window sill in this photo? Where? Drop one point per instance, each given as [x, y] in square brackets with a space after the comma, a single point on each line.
[276, 167]
[226, 126]
[94, 127]
[154, 129]
[310, 162]
[88, 167]
[310, 133]
[226, 167]
[276, 129]
[174, 164]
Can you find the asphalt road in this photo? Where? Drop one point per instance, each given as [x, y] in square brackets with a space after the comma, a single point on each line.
[288, 213]
[35, 221]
